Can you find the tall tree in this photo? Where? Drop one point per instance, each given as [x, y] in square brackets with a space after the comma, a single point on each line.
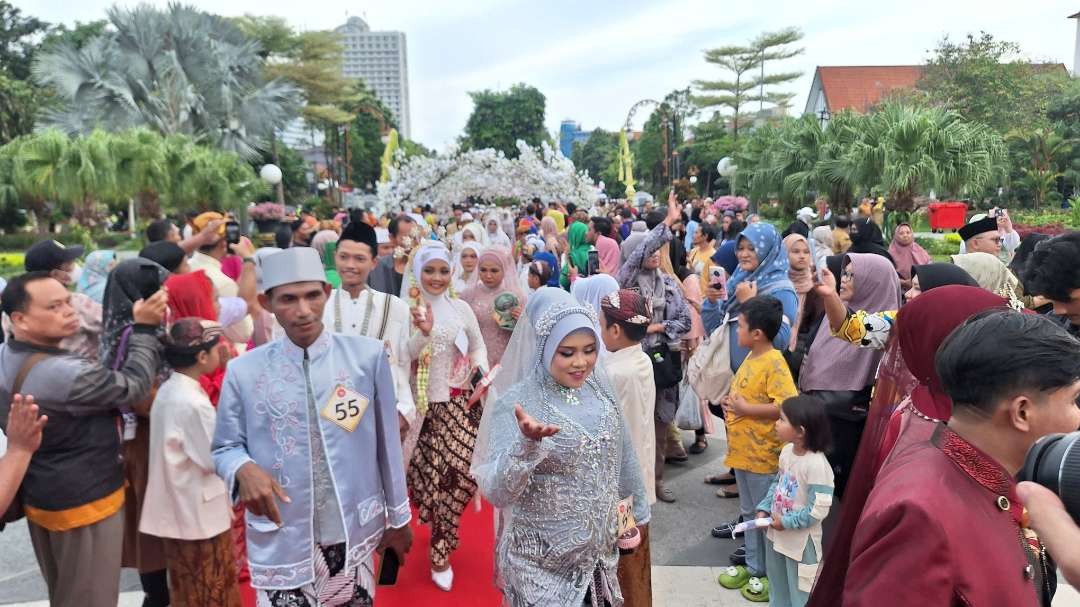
[747, 80]
[500, 118]
[733, 94]
[772, 47]
[988, 81]
[597, 153]
[18, 40]
[78, 36]
[1064, 112]
[180, 71]
[371, 119]
[711, 143]
[310, 60]
[19, 101]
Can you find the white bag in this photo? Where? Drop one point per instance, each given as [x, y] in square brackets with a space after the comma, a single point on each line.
[709, 370]
[688, 415]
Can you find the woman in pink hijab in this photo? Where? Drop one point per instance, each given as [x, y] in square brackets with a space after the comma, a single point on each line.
[906, 253]
[801, 274]
[606, 246]
[496, 300]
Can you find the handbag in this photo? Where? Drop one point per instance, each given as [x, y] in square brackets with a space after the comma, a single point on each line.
[14, 510]
[709, 369]
[688, 415]
[847, 405]
[667, 366]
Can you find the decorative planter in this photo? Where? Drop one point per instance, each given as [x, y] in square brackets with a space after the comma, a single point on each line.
[268, 226]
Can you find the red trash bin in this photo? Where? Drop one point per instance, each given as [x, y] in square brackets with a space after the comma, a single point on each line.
[949, 214]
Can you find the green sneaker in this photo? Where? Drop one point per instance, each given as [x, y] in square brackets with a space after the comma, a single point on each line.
[734, 577]
[756, 590]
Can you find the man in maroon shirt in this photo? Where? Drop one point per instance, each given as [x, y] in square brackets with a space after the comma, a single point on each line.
[943, 524]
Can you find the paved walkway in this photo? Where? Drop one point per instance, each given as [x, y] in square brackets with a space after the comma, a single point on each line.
[686, 559]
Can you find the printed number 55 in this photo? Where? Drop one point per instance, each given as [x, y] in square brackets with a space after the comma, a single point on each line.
[342, 414]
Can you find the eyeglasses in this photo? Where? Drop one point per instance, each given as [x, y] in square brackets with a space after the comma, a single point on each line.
[847, 275]
[995, 240]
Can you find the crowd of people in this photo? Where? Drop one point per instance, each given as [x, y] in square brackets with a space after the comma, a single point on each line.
[259, 426]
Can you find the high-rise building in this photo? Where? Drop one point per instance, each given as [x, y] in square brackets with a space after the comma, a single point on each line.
[380, 60]
[570, 133]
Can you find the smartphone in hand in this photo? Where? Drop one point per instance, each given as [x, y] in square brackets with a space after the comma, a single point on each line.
[389, 564]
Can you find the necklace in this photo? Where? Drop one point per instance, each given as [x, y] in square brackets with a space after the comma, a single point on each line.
[570, 394]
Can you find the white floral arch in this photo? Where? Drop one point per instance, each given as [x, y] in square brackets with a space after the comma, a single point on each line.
[445, 180]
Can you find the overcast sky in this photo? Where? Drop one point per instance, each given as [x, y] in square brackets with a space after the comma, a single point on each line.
[594, 59]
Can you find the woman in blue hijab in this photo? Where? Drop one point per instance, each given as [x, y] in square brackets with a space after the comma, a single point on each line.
[551, 261]
[95, 274]
[762, 270]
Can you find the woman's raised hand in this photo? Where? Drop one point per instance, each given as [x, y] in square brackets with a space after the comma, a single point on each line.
[824, 283]
[531, 428]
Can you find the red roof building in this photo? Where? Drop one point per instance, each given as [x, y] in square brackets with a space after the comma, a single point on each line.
[857, 87]
[860, 87]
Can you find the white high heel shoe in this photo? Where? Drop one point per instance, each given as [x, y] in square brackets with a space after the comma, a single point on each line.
[443, 579]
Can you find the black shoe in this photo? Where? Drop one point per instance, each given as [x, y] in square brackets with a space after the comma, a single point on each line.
[739, 556]
[725, 530]
[699, 446]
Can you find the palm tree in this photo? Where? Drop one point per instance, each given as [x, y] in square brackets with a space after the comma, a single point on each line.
[1043, 148]
[141, 169]
[906, 151]
[39, 161]
[88, 177]
[178, 71]
[799, 157]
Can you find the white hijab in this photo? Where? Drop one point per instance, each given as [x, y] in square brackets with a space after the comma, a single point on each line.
[430, 251]
[588, 292]
[497, 237]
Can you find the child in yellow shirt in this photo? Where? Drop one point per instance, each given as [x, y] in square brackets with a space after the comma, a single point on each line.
[761, 384]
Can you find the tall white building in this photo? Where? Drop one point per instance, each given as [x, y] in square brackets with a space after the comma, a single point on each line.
[380, 60]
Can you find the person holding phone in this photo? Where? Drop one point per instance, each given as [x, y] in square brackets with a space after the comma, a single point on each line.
[74, 489]
[669, 323]
[209, 259]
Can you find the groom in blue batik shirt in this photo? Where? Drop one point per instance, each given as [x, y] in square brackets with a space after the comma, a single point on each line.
[307, 439]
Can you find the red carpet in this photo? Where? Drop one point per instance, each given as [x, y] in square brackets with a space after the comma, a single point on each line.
[473, 563]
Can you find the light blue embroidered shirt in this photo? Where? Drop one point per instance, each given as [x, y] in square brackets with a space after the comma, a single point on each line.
[264, 416]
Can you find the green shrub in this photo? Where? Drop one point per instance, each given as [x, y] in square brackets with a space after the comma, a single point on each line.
[11, 264]
[938, 247]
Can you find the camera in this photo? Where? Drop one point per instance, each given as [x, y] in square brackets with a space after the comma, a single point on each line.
[1054, 462]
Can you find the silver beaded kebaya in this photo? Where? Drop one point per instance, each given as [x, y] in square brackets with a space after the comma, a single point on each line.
[558, 496]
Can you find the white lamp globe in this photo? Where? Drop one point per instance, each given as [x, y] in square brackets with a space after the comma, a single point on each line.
[270, 174]
[693, 179]
[725, 167]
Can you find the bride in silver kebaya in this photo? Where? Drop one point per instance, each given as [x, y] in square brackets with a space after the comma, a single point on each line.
[554, 455]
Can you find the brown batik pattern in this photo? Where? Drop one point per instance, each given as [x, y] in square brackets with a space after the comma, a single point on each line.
[202, 573]
[439, 480]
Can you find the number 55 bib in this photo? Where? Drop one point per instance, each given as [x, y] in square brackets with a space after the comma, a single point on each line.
[345, 407]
